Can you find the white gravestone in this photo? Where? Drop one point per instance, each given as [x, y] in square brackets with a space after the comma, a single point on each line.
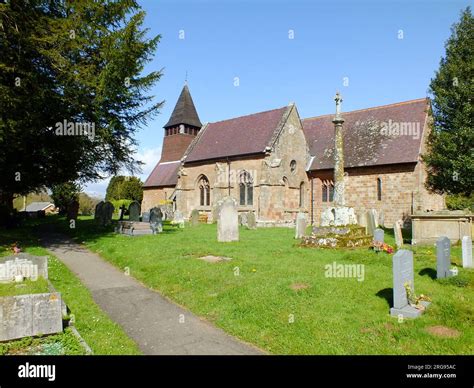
[467, 252]
[227, 221]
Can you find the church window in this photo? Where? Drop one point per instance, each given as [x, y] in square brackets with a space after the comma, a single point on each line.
[379, 189]
[246, 189]
[204, 192]
[302, 194]
[325, 192]
[331, 192]
[293, 166]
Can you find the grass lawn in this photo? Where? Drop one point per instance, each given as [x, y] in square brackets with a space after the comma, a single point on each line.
[101, 334]
[275, 295]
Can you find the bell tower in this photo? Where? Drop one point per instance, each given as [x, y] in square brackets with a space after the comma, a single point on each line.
[181, 128]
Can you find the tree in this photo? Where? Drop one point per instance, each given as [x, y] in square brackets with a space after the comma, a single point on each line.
[64, 195]
[87, 204]
[124, 187]
[78, 65]
[450, 156]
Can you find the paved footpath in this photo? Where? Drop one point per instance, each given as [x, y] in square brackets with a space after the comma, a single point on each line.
[151, 320]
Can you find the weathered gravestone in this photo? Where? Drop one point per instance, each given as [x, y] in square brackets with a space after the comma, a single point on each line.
[243, 219]
[379, 235]
[300, 229]
[178, 219]
[443, 258]
[73, 210]
[98, 213]
[194, 219]
[397, 231]
[108, 212]
[30, 315]
[403, 278]
[370, 223]
[227, 221]
[251, 221]
[156, 220]
[134, 211]
[375, 216]
[146, 217]
[23, 266]
[467, 252]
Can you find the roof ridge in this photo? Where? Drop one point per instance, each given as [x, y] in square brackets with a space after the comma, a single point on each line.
[371, 108]
[250, 114]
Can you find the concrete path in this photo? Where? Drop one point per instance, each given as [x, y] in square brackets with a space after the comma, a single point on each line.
[151, 320]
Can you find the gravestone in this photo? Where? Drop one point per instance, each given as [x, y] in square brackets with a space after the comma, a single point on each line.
[403, 275]
[72, 210]
[108, 212]
[178, 218]
[443, 258]
[243, 219]
[227, 221]
[251, 221]
[370, 223]
[121, 212]
[98, 213]
[146, 217]
[194, 219]
[397, 231]
[300, 229]
[467, 252]
[23, 265]
[30, 315]
[379, 235]
[134, 211]
[375, 217]
[156, 220]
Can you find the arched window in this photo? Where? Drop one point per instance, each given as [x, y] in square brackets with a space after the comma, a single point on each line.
[331, 192]
[379, 189]
[302, 194]
[324, 192]
[246, 189]
[204, 192]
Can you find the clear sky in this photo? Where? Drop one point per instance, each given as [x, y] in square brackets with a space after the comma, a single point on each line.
[243, 57]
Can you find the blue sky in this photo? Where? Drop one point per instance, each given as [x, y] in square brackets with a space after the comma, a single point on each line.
[374, 52]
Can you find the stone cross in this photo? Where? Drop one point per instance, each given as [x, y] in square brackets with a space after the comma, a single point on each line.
[467, 252]
[339, 199]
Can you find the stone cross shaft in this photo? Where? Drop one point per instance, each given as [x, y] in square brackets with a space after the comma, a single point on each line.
[339, 199]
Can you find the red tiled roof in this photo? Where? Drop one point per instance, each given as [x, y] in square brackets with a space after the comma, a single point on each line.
[238, 136]
[364, 142]
[164, 174]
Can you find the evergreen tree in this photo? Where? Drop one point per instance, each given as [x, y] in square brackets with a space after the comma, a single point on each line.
[72, 62]
[450, 156]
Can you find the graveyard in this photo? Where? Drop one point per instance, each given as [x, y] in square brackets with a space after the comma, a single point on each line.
[274, 293]
[95, 327]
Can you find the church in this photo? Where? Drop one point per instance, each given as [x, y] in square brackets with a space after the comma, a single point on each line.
[276, 164]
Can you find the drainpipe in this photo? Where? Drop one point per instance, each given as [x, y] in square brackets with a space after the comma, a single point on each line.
[228, 176]
[312, 201]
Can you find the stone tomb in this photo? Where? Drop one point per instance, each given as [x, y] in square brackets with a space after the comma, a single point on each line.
[300, 229]
[467, 252]
[443, 258]
[23, 266]
[403, 275]
[30, 315]
[134, 211]
[379, 235]
[227, 221]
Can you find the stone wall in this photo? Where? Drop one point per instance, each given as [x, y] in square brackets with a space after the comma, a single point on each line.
[154, 196]
[402, 190]
[276, 185]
